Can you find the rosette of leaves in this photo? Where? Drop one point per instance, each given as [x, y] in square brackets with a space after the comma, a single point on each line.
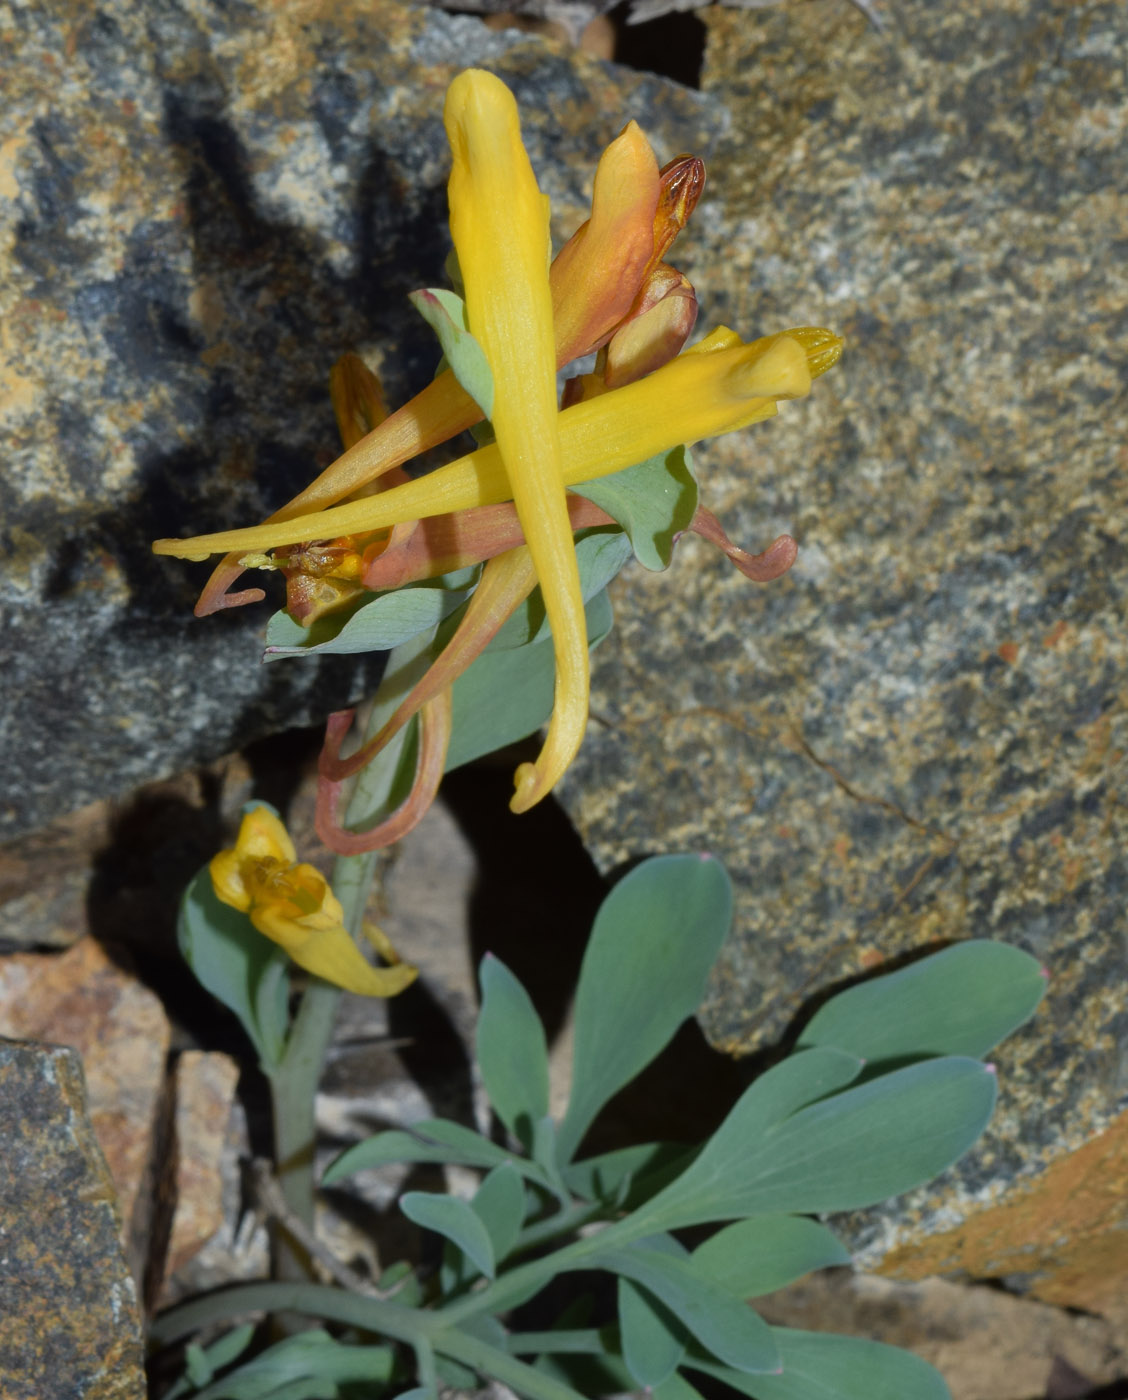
[887, 1087]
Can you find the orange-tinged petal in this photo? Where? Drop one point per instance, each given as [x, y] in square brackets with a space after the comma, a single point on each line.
[446, 543]
[434, 738]
[598, 271]
[713, 388]
[506, 582]
[498, 221]
[660, 323]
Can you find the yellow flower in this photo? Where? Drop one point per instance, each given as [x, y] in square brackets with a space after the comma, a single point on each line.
[718, 386]
[499, 224]
[292, 905]
[609, 290]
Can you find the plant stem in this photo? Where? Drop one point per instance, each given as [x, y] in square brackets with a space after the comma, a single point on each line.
[293, 1083]
[309, 1299]
[500, 1366]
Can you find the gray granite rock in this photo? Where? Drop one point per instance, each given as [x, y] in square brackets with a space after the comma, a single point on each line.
[74, 1333]
[921, 733]
[200, 209]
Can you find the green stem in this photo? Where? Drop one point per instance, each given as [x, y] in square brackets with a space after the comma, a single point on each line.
[574, 1214]
[589, 1341]
[500, 1366]
[419, 1330]
[293, 1083]
[309, 1299]
[521, 1282]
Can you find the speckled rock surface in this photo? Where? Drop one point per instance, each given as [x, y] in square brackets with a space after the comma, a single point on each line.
[87, 1001]
[921, 734]
[200, 209]
[75, 1334]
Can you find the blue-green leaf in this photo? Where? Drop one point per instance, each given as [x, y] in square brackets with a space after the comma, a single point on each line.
[599, 557]
[961, 1001]
[445, 313]
[456, 1221]
[653, 1341]
[239, 966]
[654, 501]
[654, 941]
[507, 695]
[201, 1363]
[500, 1205]
[822, 1366]
[511, 1051]
[723, 1324]
[608, 1177]
[848, 1151]
[793, 1084]
[757, 1256]
[675, 1387]
[309, 1366]
[432, 1140]
[387, 621]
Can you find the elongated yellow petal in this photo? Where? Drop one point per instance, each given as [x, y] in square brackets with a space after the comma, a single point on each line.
[321, 944]
[717, 386]
[498, 221]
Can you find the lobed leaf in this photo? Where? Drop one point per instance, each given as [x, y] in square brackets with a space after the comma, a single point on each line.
[854, 1149]
[723, 1324]
[500, 1205]
[309, 1366]
[653, 1342]
[387, 621]
[961, 1001]
[823, 1366]
[455, 1220]
[654, 941]
[432, 1140]
[511, 1051]
[654, 501]
[757, 1256]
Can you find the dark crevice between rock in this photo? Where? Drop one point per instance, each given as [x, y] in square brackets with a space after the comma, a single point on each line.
[672, 45]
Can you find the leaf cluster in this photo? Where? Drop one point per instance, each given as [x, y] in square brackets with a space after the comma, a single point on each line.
[886, 1087]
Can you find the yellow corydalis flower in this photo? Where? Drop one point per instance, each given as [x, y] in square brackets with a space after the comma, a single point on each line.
[718, 386]
[293, 906]
[499, 224]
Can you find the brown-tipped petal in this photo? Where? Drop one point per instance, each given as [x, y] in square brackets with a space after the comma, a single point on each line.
[596, 274]
[434, 739]
[506, 582]
[441, 411]
[760, 568]
[682, 182]
[358, 399]
[445, 543]
[660, 323]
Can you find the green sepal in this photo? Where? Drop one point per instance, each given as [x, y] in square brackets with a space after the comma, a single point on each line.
[654, 501]
[385, 621]
[445, 313]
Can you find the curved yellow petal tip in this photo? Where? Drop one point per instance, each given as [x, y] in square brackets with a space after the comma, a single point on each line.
[534, 781]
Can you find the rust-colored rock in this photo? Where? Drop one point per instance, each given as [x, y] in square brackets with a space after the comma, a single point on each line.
[1063, 1238]
[203, 1092]
[83, 999]
[75, 1334]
